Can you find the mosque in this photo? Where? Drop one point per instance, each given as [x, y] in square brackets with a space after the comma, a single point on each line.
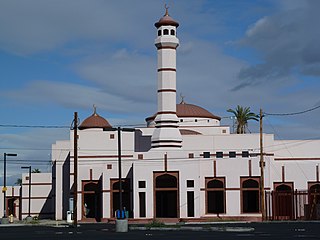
[182, 165]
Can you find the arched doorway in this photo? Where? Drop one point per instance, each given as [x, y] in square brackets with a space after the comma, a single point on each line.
[126, 196]
[215, 196]
[166, 195]
[91, 200]
[314, 200]
[283, 202]
[250, 195]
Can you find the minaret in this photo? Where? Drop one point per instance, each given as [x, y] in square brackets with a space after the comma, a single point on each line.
[166, 134]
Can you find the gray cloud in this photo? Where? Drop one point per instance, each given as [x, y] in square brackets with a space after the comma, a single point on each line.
[287, 41]
[73, 96]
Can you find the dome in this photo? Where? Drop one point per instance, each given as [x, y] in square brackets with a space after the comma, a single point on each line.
[94, 121]
[190, 110]
[166, 20]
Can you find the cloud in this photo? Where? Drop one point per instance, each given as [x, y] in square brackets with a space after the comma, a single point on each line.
[129, 75]
[73, 96]
[287, 43]
[28, 27]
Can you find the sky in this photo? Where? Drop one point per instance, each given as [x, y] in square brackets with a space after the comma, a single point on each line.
[60, 57]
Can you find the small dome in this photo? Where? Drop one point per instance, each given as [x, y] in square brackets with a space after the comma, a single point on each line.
[166, 20]
[94, 121]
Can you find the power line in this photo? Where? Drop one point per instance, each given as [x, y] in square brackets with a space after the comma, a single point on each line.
[32, 126]
[293, 113]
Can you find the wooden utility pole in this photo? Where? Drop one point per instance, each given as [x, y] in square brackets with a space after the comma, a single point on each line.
[119, 171]
[262, 164]
[75, 170]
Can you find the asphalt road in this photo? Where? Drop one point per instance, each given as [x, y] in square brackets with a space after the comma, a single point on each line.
[293, 230]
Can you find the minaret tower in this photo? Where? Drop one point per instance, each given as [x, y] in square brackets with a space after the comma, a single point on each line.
[166, 134]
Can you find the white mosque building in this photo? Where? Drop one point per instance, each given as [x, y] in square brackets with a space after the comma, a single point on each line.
[183, 165]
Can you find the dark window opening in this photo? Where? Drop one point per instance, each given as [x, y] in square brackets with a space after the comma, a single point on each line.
[191, 155]
[190, 183]
[232, 154]
[142, 204]
[142, 184]
[219, 154]
[190, 203]
[172, 32]
[159, 32]
[245, 154]
[206, 154]
[165, 32]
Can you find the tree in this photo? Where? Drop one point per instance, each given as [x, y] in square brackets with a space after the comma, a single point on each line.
[18, 182]
[243, 115]
[36, 170]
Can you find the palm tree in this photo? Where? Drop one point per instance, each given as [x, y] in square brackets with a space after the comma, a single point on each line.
[18, 182]
[243, 115]
[36, 170]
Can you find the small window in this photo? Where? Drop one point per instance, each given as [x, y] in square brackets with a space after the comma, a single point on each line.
[224, 131]
[232, 154]
[140, 156]
[172, 32]
[219, 154]
[196, 120]
[159, 32]
[181, 120]
[109, 166]
[111, 136]
[142, 184]
[191, 155]
[206, 154]
[190, 183]
[245, 154]
[166, 32]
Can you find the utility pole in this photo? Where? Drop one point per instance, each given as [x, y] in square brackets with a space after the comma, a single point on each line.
[262, 164]
[75, 170]
[119, 170]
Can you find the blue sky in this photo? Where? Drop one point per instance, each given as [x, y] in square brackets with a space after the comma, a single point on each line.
[58, 57]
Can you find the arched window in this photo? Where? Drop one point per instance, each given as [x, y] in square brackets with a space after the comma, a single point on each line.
[172, 32]
[165, 32]
[159, 32]
[166, 181]
[215, 195]
[314, 192]
[250, 195]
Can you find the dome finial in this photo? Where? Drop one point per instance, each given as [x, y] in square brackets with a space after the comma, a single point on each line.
[166, 7]
[94, 109]
[182, 99]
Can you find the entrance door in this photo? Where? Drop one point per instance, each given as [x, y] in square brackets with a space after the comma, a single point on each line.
[91, 200]
[283, 202]
[166, 195]
[126, 196]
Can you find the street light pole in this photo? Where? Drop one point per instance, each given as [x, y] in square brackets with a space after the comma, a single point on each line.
[4, 189]
[29, 209]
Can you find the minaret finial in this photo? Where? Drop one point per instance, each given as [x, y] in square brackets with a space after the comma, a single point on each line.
[182, 99]
[94, 109]
[166, 7]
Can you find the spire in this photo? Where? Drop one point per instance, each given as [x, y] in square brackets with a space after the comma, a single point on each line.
[94, 110]
[182, 99]
[166, 7]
